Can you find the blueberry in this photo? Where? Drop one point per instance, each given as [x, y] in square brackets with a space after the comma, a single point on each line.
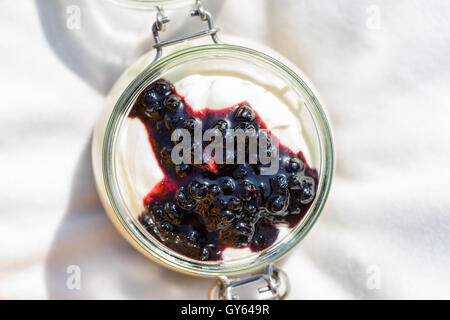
[172, 122]
[206, 253]
[242, 241]
[165, 156]
[210, 251]
[156, 212]
[250, 208]
[277, 205]
[182, 170]
[197, 190]
[247, 191]
[166, 226]
[165, 152]
[183, 201]
[294, 182]
[307, 189]
[245, 228]
[151, 98]
[163, 87]
[294, 165]
[214, 190]
[159, 126]
[220, 204]
[146, 219]
[241, 172]
[264, 189]
[244, 113]
[226, 217]
[235, 204]
[153, 111]
[232, 237]
[295, 206]
[265, 235]
[189, 124]
[192, 236]
[280, 183]
[222, 125]
[249, 129]
[172, 213]
[228, 185]
[250, 217]
[250, 134]
[173, 103]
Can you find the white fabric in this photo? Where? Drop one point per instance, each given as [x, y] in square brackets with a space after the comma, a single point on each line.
[385, 232]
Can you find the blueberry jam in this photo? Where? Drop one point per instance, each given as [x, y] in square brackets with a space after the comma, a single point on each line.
[200, 209]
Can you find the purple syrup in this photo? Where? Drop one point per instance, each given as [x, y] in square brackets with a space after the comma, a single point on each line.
[199, 210]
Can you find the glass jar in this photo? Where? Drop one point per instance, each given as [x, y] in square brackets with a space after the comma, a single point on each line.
[240, 62]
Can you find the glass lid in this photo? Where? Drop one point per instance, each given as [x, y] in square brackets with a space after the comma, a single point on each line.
[152, 4]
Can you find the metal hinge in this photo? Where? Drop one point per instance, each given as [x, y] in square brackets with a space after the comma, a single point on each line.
[162, 20]
[273, 284]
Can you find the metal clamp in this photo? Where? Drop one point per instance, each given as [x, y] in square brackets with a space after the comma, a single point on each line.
[162, 20]
[273, 284]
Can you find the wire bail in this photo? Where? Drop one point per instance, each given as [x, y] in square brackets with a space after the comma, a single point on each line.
[273, 284]
[162, 19]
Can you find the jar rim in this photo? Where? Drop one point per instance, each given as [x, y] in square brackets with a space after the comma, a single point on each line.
[153, 4]
[152, 246]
